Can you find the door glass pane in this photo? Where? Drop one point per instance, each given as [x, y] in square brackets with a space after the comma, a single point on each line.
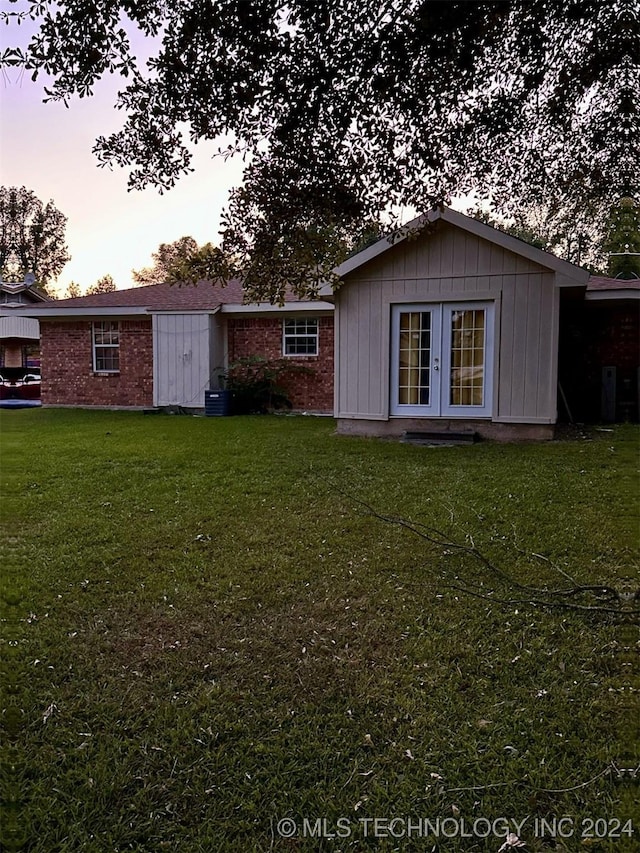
[466, 387]
[414, 358]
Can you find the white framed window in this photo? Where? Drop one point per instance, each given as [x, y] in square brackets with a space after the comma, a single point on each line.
[106, 346]
[300, 336]
[442, 359]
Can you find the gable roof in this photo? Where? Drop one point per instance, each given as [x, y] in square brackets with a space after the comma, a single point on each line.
[203, 296]
[566, 273]
[28, 288]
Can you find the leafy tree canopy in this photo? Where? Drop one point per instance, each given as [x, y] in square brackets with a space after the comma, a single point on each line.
[547, 227]
[345, 108]
[165, 260]
[622, 240]
[73, 290]
[31, 236]
[103, 285]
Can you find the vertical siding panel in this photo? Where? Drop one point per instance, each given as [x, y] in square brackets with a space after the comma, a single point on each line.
[448, 252]
[520, 344]
[178, 349]
[186, 358]
[398, 288]
[364, 336]
[374, 353]
[176, 327]
[531, 365]
[346, 344]
[547, 384]
[352, 348]
[471, 260]
[433, 266]
[412, 260]
[154, 366]
[497, 260]
[458, 253]
[484, 258]
[505, 324]
[413, 287]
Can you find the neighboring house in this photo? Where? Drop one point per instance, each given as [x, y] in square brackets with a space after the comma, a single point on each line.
[19, 335]
[165, 345]
[454, 325]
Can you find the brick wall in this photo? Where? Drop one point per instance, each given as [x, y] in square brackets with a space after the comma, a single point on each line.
[263, 336]
[67, 369]
[594, 335]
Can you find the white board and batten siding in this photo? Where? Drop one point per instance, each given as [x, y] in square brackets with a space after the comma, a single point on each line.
[16, 326]
[185, 347]
[450, 265]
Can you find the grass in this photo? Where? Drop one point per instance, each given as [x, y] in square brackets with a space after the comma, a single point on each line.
[206, 632]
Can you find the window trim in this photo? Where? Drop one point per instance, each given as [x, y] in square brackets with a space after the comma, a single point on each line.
[288, 337]
[114, 326]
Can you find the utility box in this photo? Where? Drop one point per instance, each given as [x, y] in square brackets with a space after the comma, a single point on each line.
[217, 403]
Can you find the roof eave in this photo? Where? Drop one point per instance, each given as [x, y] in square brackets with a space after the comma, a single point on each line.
[269, 308]
[621, 295]
[87, 311]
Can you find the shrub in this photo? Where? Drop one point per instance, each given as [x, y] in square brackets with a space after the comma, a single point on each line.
[258, 385]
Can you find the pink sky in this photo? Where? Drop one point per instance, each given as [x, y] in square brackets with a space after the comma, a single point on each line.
[47, 148]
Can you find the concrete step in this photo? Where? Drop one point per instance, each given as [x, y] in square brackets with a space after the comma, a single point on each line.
[434, 437]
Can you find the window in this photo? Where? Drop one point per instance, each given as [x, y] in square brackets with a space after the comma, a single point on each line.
[106, 347]
[300, 337]
[414, 358]
[466, 381]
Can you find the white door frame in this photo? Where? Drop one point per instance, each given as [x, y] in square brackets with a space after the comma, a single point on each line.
[439, 361]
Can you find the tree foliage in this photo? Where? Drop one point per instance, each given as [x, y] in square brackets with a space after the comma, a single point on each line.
[73, 290]
[166, 259]
[31, 235]
[548, 227]
[345, 108]
[106, 284]
[622, 240]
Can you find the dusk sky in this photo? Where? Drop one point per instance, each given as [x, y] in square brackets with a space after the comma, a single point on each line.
[47, 149]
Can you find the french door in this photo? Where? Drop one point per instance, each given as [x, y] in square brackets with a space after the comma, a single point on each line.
[442, 359]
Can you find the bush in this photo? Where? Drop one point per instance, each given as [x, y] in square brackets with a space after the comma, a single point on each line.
[257, 385]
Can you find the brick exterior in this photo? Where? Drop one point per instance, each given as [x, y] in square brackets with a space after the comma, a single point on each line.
[68, 378]
[595, 335]
[263, 336]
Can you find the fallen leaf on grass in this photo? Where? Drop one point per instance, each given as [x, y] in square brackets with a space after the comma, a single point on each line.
[511, 842]
[52, 709]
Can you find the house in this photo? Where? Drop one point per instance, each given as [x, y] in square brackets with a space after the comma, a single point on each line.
[19, 341]
[19, 335]
[165, 345]
[453, 325]
[449, 325]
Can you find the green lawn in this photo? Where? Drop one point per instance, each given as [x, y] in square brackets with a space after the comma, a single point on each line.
[206, 631]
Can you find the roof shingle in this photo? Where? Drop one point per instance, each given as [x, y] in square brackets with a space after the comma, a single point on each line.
[600, 282]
